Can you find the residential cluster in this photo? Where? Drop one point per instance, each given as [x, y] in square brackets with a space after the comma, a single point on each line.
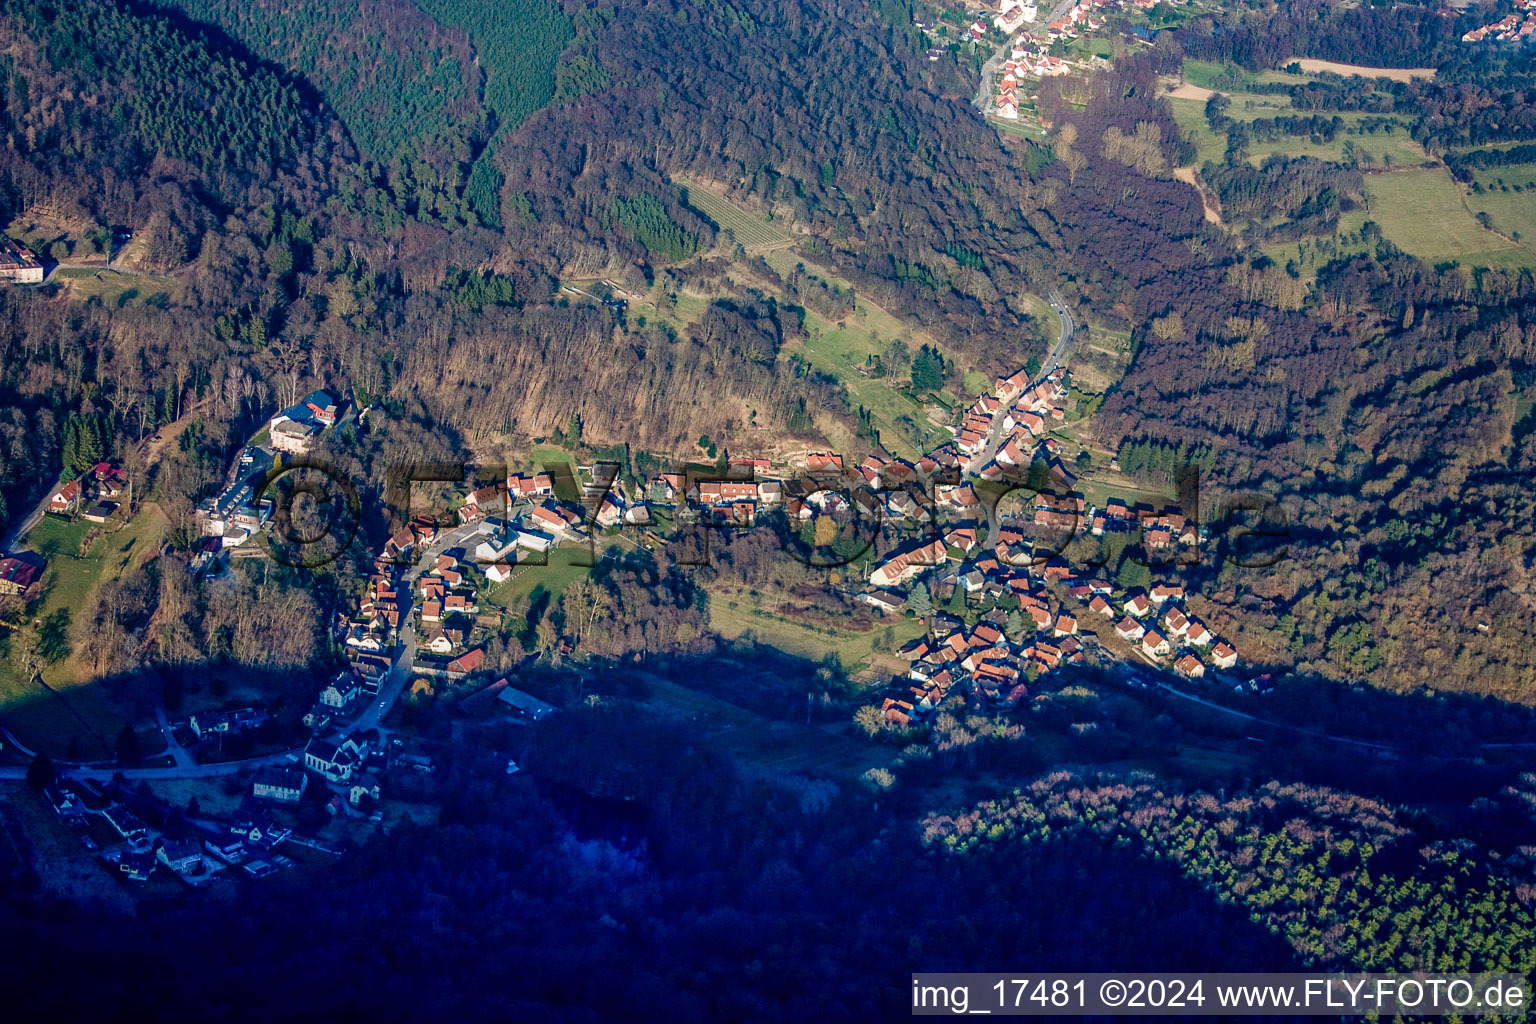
[101, 487]
[196, 850]
[1519, 27]
[1030, 56]
[1035, 605]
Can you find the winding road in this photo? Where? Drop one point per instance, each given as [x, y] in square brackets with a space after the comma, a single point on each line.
[1058, 351]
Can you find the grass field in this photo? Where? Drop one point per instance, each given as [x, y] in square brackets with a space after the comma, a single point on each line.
[546, 455]
[775, 747]
[1513, 213]
[83, 714]
[1098, 490]
[1026, 131]
[1045, 316]
[791, 637]
[1378, 150]
[1496, 178]
[1421, 212]
[977, 383]
[1092, 46]
[1249, 106]
[840, 351]
[110, 286]
[1190, 117]
[531, 578]
[1204, 73]
[752, 230]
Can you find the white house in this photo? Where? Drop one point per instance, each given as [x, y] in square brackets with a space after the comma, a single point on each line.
[342, 691]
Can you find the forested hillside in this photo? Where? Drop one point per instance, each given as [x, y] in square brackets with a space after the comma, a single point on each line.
[406, 87]
[1345, 880]
[752, 900]
[774, 100]
[1379, 405]
[315, 245]
[434, 210]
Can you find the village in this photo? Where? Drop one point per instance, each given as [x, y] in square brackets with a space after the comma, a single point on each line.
[953, 545]
[1032, 50]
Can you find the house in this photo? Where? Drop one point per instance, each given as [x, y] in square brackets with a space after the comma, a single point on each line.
[717, 492]
[1163, 592]
[371, 669]
[110, 481]
[1223, 655]
[127, 825]
[66, 497]
[1138, 605]
[137, 865]
[666, 487]
[609, 513]
[364, 788]
[292, 436]
[904, 566]
[460, 604]
[231, 508]
[182, 856]
[548, 516]
[281, 785]
[1130, 629]
[1101, 607]
[1154, 644]
[962, 538]
[341, 692]
[499, 547]
[824, 462]
[19, 264]
[418, 762]
[1189, 666]
[18, 574]
[885, 602]
[527, 487]
[62, 799]
[464, 664]
[1176, 621]
[897, 712]
[1066, 625]
[238, 720]
[481, 503]
[1197, 634]
[533, 540]
[525, 705]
